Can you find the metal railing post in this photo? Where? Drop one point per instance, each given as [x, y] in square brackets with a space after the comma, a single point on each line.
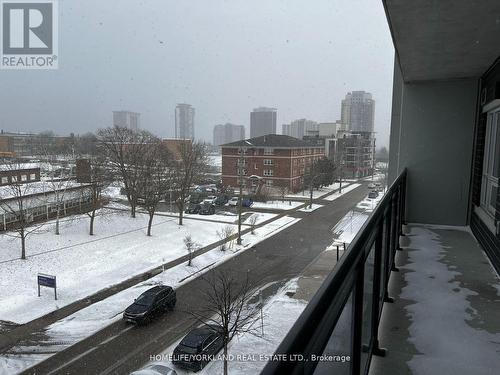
[378, 270]
[387, 259]
[357, 320]
[394, 235]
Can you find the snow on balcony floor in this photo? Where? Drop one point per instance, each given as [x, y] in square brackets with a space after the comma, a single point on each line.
[445, 319]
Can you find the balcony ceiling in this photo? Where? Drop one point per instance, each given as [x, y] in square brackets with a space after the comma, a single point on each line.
[444, 39]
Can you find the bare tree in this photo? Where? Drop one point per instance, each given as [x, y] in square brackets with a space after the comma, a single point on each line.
[59, 161]
[283, 189]
[86, 144]
[227, 306]
[17, 203]
[125, 150]
[190, 248]
[224, 235]
[98, 177]
[157, 175]
[191, 164]
[252, 220]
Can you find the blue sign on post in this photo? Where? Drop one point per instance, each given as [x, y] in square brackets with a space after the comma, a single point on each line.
[48, 281]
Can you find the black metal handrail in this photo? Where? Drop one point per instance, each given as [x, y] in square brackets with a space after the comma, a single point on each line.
[313, 329]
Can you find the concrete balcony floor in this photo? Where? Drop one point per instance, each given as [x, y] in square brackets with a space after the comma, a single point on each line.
[446, 315]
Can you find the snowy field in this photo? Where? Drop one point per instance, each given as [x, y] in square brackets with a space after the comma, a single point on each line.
[97, 316]
[85, 264]
[308, 208]
[280, 313]
[277, 205]
[345, 189]
[317, 192]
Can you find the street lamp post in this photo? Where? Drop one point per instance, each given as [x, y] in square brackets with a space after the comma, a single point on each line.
[311, 187]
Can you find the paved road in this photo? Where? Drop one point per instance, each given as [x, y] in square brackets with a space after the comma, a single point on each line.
[121, 348]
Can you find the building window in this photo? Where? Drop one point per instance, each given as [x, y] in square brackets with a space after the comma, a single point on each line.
[4, 180]
[269, 183]
[14, 178]
[242, 172]
[268, 151]
[268, 161]
[242, 151]
[491, 163]
[24, 177]
[268, 172]
[32, 176]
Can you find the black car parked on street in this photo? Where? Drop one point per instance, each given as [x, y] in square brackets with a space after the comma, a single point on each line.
[207, 209]
[193, 208]
[198, 348]
[149, 304]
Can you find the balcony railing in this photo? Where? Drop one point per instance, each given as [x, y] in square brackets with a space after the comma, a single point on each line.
[338, 330]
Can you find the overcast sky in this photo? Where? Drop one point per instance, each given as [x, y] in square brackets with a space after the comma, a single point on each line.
[223, 57]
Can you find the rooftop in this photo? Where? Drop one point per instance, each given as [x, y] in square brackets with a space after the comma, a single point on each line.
[272, 140]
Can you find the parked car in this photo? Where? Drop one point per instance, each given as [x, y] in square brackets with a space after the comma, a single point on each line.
[149, 304]
[193, 208]
[373, 194]
[371, 185]
[155, 369]
[194, 351]
[247, 202]
[221, 200]
[207, 208]
[233, 202]
[210, 199]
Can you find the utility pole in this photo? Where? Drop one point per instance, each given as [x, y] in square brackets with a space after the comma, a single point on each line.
[341, 172]
[373, 157]
[241, 170]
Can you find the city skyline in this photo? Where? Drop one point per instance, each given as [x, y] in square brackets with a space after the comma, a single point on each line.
[224, 75]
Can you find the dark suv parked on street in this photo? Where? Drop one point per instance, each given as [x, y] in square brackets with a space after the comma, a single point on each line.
[198, 348]
[193, 208]
[207, 209]
[149, 304]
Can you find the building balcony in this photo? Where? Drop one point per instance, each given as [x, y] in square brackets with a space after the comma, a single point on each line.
[445, 316]
[404, 299]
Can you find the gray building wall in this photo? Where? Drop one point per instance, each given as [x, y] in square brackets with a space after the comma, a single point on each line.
[432, 134]
[262, 122]
[184, 121]
[228, 133]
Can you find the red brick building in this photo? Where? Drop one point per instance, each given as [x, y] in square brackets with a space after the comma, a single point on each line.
[278, 160]
[174, 146]
[21, 173]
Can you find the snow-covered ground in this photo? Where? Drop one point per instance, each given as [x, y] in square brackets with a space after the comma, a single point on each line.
[368, 204]
[317, 192]
[247, 352]
[345, 189]
[95, 317]
[225, 216]
[277, 205]
[347, 228]
[308, 208]
[85, 264]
